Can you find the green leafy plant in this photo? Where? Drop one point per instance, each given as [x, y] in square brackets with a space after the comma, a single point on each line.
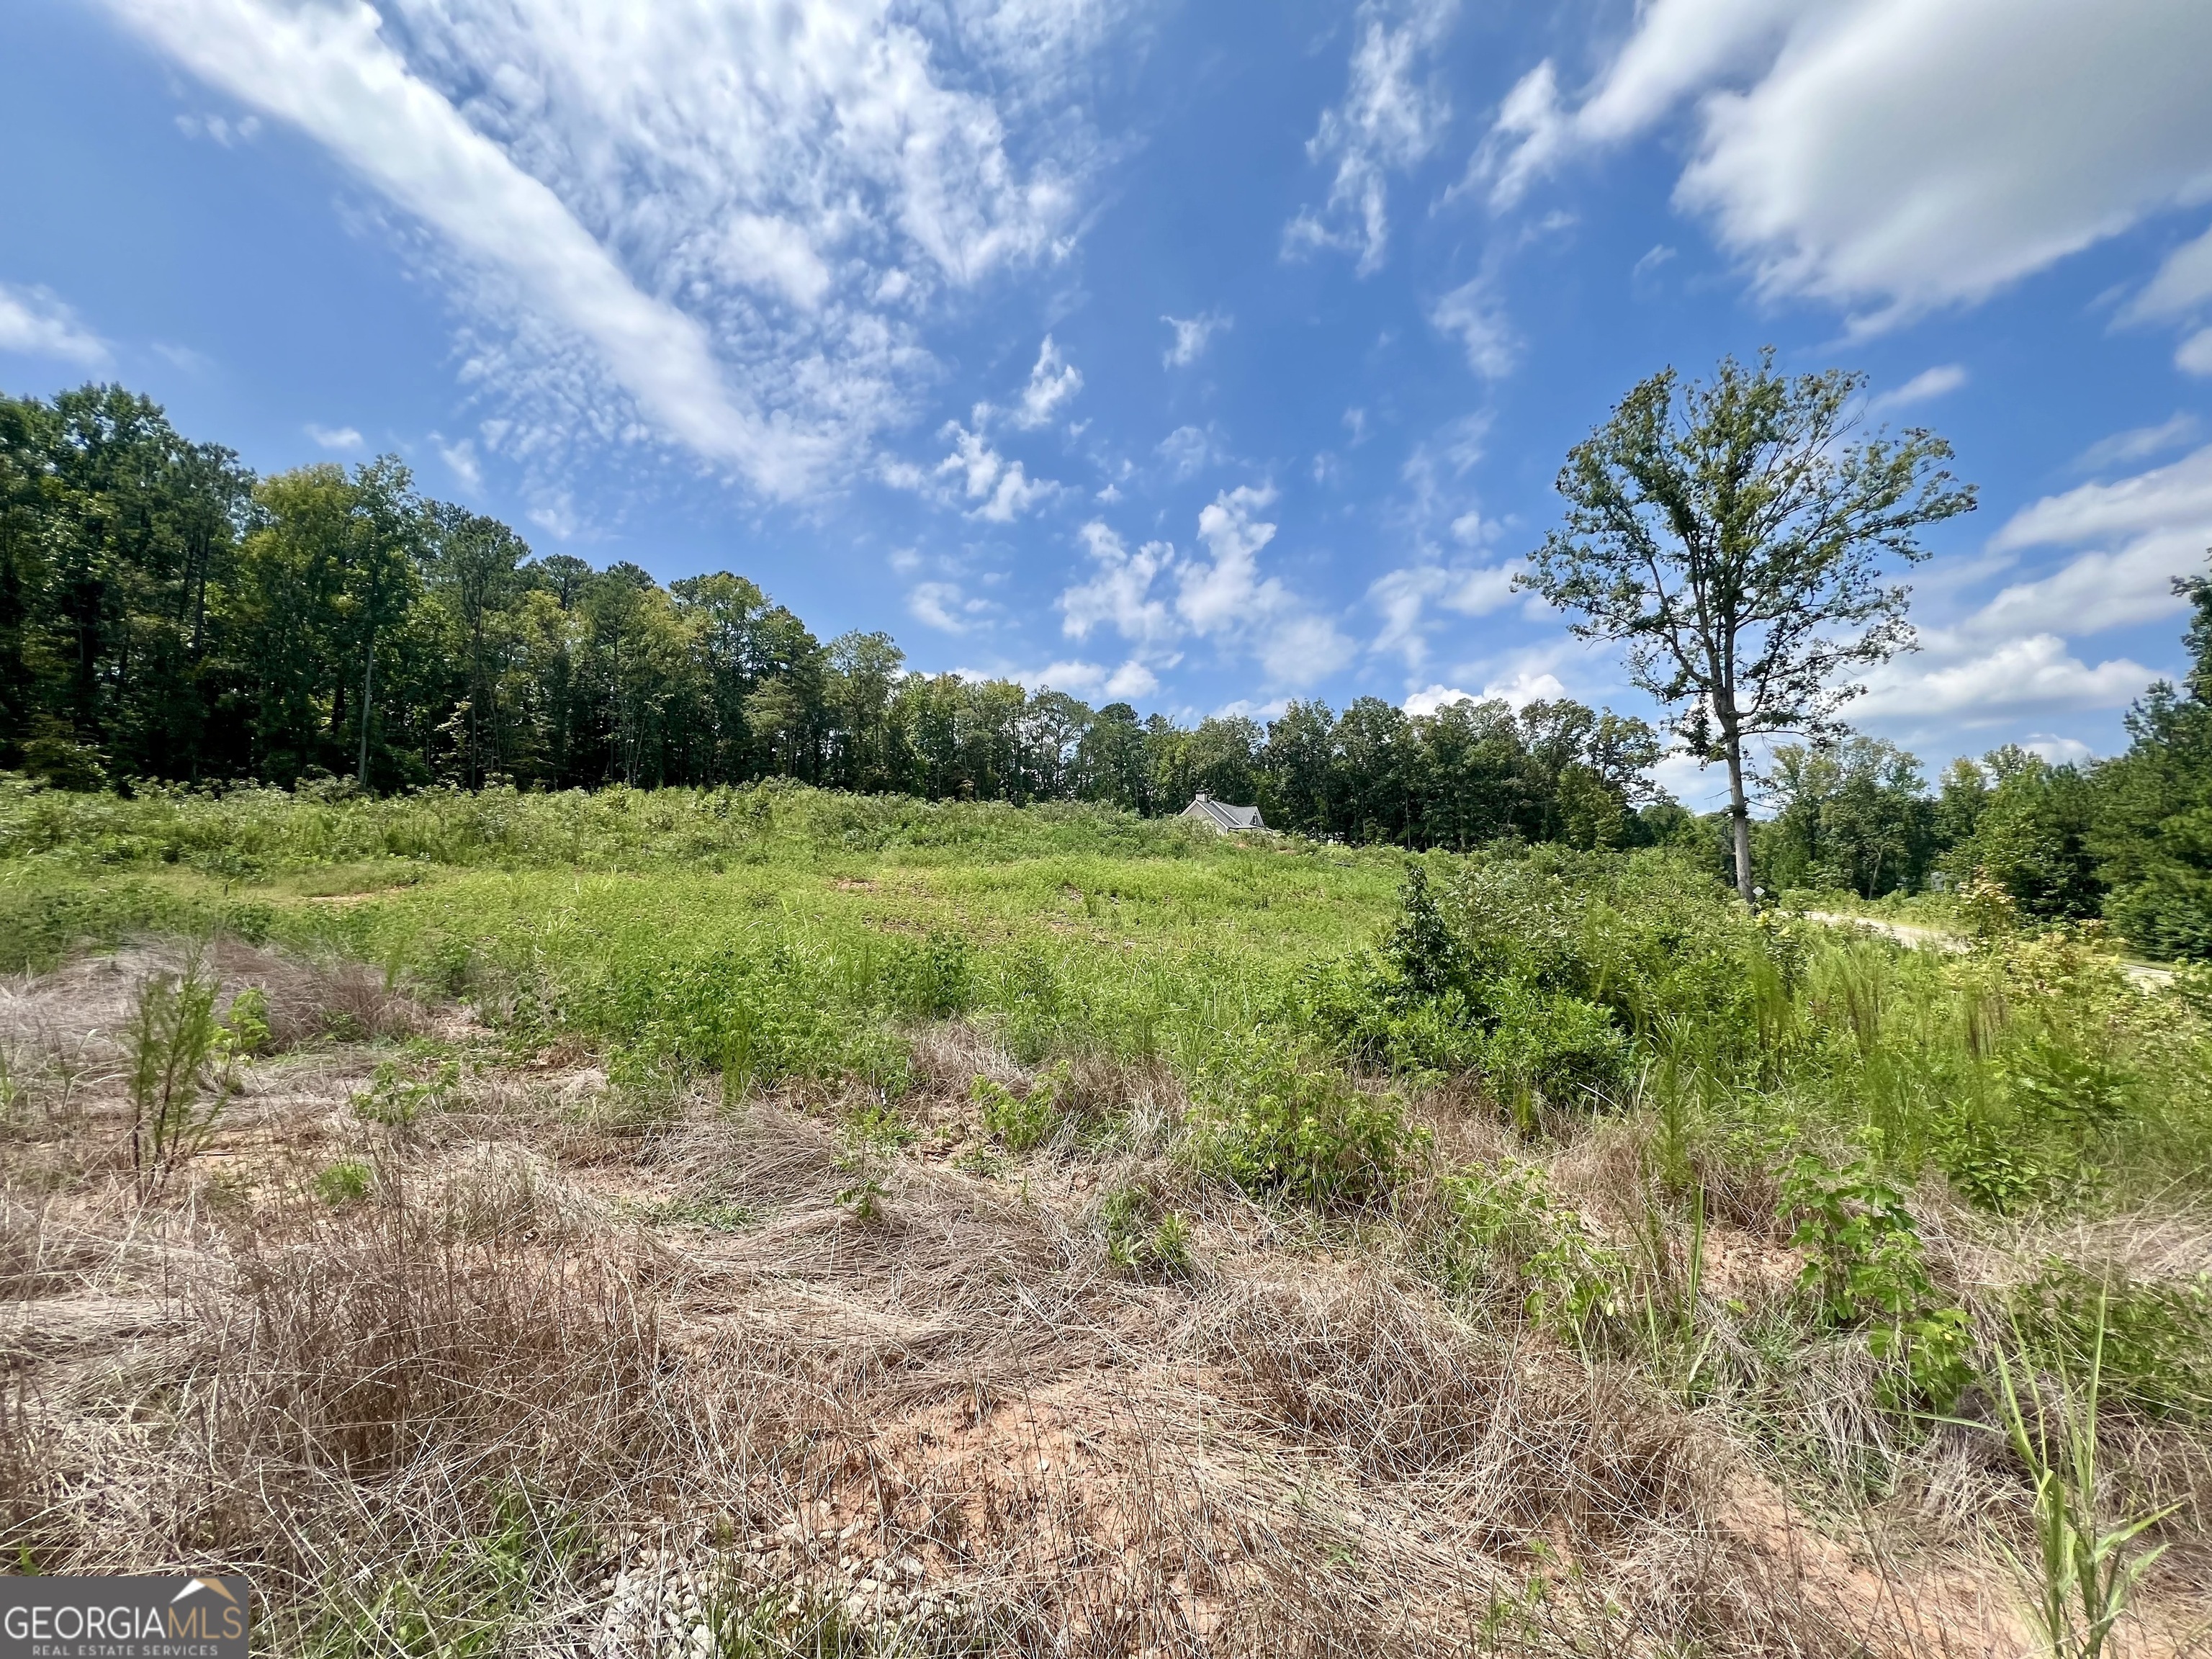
[1019, 1121]
[348, 1181]
[1865, 1265]
[1145, 1236]
[1504, 1222]
[396, 1100]
[245, 1024]
[2153, 1335]
[177, 1095]
[1270, 1118]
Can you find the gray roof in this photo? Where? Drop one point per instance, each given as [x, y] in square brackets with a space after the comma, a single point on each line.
[1222, 815]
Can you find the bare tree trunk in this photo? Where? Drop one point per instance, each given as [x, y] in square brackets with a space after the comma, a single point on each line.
[1739, 820]
[368, 688]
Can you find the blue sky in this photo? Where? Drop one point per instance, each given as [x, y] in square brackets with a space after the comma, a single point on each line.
[1204, 354]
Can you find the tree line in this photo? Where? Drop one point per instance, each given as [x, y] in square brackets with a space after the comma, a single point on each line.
[2127, 840]
[167, 616]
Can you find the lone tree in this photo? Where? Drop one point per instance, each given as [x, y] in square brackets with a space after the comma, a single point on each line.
[1731, 537]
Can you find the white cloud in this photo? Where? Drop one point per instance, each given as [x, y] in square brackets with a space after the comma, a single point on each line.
[1388, 122]
[1403, 597]
[1215, 595]
[1132, 680]
[722, 225]
[2184, 282]
[35, 322]
[1473, 312]
[2195, 353]
[1091, 681]
[461, 459]
[1519, 693]
[2034, 674]
[1527, 686]
[1224, 598]
[1438, 466]
[1120, 593]
[944, 605]
[774, 256]
[1052, 381]
[1187, 450]
[1191, 335]
[1434, 697]
[1228, 598]
[2162, 521]
[1923, 387]
[2059, 751]
[1900, 154]
[981, 474]
[334, 437]
[2139, 443]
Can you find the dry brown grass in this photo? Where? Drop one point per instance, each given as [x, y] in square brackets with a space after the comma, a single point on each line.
[668, 1340]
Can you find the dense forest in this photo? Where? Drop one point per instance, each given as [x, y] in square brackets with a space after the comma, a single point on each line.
[166, 616]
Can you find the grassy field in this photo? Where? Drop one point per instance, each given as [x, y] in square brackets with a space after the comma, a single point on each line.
[771, 1222]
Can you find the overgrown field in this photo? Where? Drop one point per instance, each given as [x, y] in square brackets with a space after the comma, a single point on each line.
[767, 1221]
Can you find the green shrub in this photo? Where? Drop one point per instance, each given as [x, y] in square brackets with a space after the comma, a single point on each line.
[1506, 1226]
[246, 1022]
[396, 1100]
[2157, 1334]
[177, 1088]
[1564, 1050]
[1145, 1236]
[1019, 1121]
[1865, 1265]
[1272, 1119]
[348, 1181]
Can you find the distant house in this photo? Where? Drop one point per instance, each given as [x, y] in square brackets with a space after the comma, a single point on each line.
[1221, 815]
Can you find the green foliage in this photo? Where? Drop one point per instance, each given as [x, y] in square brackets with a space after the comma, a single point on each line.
[348, 1180]
[1864, 1267]
[1024, 1121]
[1854, 814]
[715, 1215]
[1731, 537]
[176, 1095]
[1145, 1236]
[398, 1100]
[168, 615]
[467, 1600]
[1505, 1223]
[246, 1022]
[1270, 1118]
[2156, 1335]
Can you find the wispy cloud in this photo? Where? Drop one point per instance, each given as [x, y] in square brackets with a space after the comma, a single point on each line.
[342, 437]
[2139, 443]
[1001, 489]
[1053, 382]
[1191, 336]
[1924, 388]
[732, 219]
[1473, 313]
[35, 322]
[1392, 117]
[1221, 595]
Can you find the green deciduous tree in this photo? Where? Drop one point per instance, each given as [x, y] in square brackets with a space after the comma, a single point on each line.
[1729, 536]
